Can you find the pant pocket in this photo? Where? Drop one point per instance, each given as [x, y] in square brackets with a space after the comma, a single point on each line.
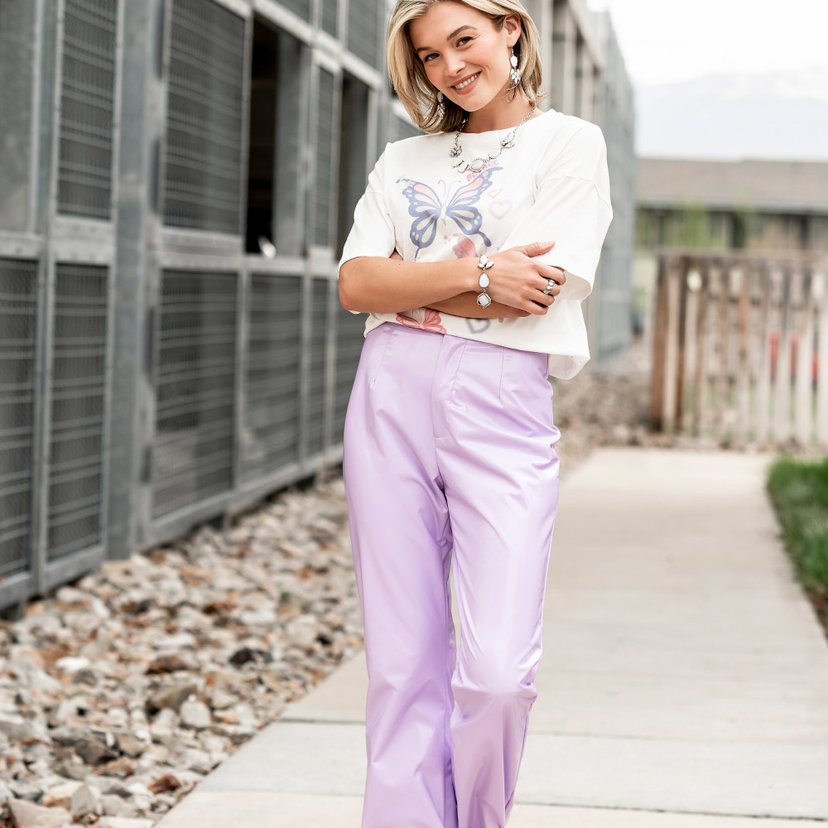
[524, 372]
[526, 394]
[375, 349]
[477, 375]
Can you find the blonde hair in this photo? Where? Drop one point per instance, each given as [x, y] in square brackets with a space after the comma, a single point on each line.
[408, 76]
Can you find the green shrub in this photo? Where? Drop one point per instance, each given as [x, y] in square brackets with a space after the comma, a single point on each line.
[799, 492]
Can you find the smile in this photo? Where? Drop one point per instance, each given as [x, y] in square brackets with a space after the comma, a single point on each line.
[466, 83]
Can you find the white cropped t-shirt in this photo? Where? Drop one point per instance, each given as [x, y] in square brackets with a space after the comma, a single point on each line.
[553, 185]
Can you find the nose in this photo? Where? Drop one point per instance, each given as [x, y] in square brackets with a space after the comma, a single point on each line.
[454, 68]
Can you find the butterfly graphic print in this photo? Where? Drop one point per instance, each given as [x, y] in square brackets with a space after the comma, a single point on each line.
[427, 208]
[426, 318]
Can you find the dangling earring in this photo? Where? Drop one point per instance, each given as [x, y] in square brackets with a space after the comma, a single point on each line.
[441, 109]
[515, 72]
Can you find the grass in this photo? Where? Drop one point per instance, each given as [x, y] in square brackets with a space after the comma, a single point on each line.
[799, 492]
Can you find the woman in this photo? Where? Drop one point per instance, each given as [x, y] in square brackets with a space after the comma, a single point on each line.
[449, 444]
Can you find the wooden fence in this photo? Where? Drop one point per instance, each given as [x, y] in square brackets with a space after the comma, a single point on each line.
[740, 347]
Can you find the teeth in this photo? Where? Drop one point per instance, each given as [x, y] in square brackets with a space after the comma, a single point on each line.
[466, 82]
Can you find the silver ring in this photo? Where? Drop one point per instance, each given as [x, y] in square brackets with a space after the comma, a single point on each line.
[550, 283]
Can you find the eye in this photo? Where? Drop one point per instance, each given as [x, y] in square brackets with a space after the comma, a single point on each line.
[434, 54]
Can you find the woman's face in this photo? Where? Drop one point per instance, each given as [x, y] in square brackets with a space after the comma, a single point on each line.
[455, 42]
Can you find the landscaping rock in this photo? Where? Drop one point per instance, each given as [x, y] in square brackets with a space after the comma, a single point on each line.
[29, 815]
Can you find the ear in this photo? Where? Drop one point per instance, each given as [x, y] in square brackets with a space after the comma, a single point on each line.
[513, 29]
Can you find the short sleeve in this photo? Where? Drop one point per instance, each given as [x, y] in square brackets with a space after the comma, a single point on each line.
[372, 233]
[572, 207]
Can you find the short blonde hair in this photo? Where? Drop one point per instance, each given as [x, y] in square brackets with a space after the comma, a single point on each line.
[408, 76]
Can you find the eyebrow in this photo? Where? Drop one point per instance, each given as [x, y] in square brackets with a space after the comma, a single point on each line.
[453, 34]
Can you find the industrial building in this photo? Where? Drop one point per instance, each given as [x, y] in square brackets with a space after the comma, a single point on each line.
[177, 178]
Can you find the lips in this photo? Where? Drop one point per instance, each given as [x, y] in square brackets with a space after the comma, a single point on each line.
[455, 86]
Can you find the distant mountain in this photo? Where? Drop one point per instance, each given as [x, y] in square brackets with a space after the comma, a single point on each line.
[771, 116]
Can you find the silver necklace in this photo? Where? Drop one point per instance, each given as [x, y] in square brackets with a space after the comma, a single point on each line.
[477, 164]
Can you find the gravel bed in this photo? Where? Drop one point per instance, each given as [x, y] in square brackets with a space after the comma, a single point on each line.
[120, 692]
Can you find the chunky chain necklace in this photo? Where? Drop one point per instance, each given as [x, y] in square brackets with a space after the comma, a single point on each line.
[477, 164]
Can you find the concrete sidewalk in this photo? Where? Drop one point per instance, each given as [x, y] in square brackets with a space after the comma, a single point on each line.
[683, 683]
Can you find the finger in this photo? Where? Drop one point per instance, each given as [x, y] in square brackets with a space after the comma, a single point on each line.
[536, 248]
[545, 302]
[540, 306]
[541, 285]
[550, 272]
[545, 298]
[543, 288]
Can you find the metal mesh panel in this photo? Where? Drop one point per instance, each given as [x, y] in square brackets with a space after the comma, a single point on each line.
[299, 7]
[18, 331]
[349, 339]
[204, 117]
[270, 439]
[17, 46]
[86, 108]
[195, 353]
[315, 420]
[323, 189]
[403, 129]
[363, 30]
[330, 16]
[78, 408]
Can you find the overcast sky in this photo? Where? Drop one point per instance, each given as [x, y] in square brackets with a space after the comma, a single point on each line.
[674, 40]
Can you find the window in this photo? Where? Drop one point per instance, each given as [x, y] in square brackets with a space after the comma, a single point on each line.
[353, 167]
[273, 209]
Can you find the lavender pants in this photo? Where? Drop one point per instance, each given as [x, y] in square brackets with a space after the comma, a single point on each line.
[449, 460]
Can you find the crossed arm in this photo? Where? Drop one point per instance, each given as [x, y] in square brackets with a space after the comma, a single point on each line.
[465, 304]
[451, 285]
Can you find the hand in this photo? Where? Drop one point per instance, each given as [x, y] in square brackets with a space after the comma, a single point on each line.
[518, 281]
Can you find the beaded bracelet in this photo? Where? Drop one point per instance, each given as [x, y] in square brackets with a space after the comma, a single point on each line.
[483, 298]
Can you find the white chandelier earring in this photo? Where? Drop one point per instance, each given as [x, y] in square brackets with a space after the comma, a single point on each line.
[515, 72]
[441, 109]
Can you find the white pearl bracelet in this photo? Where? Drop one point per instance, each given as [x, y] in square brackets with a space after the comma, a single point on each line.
[483, 298]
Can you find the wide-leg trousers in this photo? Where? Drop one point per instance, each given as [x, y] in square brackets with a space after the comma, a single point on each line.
[449, 461]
